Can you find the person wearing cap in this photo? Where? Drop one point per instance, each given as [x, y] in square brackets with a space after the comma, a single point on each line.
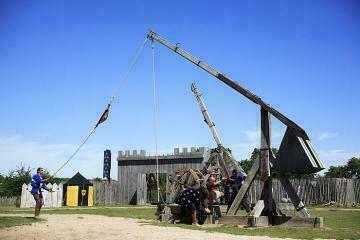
[37, 183]
[235, 181]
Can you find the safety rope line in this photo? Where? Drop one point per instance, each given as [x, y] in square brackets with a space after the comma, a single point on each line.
[130, 68]
[155, 119]
[106, 112]
[74, 153]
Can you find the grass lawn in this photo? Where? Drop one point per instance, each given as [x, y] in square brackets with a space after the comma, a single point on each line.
[15, 221]
[129, 212]
[339, 224]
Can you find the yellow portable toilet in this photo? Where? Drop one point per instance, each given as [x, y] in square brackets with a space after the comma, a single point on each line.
[79, 191]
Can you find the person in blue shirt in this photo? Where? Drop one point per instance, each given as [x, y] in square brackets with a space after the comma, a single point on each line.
[37, 183]
[235, 181]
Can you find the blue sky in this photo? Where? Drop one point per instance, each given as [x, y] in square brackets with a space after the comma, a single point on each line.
[60, 62]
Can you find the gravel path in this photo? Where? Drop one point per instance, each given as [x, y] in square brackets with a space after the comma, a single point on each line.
[106, 228]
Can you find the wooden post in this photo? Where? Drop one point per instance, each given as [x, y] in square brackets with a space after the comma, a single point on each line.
[60, 195]
[54, 196]
[264, 170]
[23, 196]
[168, 194]
[267, 197]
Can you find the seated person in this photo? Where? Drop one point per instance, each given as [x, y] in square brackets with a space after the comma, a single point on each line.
[193, 202]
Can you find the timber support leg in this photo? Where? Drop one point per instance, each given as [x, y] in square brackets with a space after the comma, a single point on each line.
[295, 199]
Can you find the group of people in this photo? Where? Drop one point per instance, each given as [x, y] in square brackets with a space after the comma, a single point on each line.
[196, 201]
[193, 201]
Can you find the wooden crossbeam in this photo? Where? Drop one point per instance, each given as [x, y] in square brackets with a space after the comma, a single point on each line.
[259, 207]
[295, 199]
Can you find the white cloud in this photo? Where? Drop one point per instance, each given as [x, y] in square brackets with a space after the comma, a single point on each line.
[243, 150]
[327, 135]
[336, 157]
[253, 135]
[15, 150]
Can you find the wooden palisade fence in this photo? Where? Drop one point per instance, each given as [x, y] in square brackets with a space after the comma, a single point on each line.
[4, 201]
[313, 191]
[106, 193]
[51, 199]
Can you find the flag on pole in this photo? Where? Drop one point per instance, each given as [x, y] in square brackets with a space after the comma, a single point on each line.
[104, 116]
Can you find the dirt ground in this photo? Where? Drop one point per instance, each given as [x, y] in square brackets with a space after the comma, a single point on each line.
[106, 228]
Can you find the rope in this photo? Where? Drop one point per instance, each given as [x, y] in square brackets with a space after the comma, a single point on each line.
[72, 155]
[130, 68]
[106, 112]
[155, 119]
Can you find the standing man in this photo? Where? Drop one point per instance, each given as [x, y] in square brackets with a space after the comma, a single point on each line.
[37, 184]
[235, 181]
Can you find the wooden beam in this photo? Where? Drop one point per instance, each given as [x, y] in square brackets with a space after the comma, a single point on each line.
[265, 138]
[267, 197]
[265, 155]
[259, 207]
[244, 188]
[228, 81]
[295, 199]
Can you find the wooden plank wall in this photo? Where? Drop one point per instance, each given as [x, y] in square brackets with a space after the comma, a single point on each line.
[127, 177]
[106, 193]
[141, 191]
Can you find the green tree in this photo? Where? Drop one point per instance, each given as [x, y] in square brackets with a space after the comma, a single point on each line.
[350, 170]
[335, 172]
[97, 179]
[10, 186]
[353, 168]
[247, 163]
